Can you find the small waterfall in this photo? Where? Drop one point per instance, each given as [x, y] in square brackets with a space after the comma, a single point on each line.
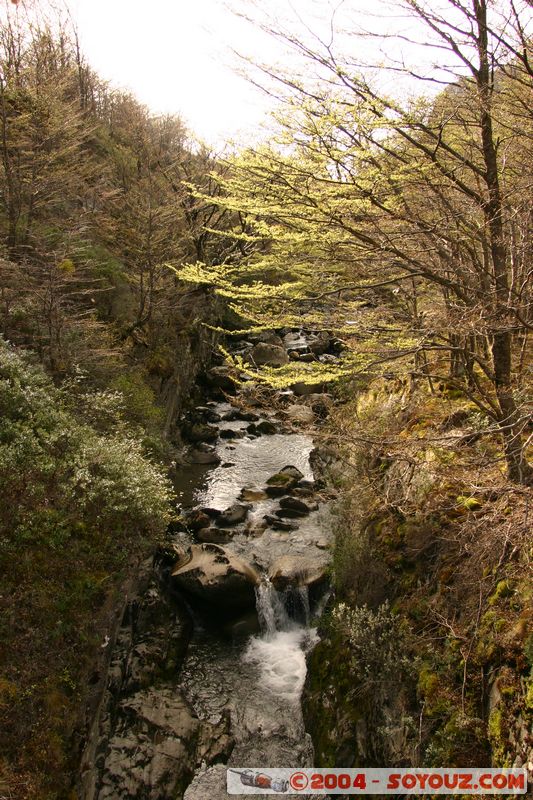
[279, 651]
[270, 609]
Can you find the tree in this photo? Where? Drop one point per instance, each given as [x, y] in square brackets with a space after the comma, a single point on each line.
[363, 190]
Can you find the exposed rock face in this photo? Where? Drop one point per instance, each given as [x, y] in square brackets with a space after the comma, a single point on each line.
[269, 355]
[145, 740]
[153, 750]
[217, 578]
[220, 378]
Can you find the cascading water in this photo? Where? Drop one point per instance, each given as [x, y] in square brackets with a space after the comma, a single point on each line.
[279, 652]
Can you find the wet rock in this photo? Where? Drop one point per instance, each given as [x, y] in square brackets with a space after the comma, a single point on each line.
[230, 433]
[254, 531]
[307, 485]
[197, 519]
[295, 340]
[201, 432]
[231, 415]
[294, 504]
[248, 416]
[215, 535]
[253, 494]
[233, 515]
[302, 492]
[176, 525]
[276, 491]
[291, 513]
[302, 414]
[206, 413]
[293, 471]
[267, 337]
[283, 481]
[204, 455]
[319, 343]
[293, 571]
[211, 512]
[268, 355]
[278, 524]
[308, 358]
[266, 427]
[216, 577]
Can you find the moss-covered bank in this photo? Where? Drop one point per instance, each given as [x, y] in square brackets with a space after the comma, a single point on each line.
[429, 529]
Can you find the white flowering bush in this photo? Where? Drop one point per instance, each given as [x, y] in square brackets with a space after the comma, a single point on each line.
[59, 472]
[375, 643]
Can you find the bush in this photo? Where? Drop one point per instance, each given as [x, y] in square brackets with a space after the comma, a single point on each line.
[51, 460]
[81, 502]
[377, 645]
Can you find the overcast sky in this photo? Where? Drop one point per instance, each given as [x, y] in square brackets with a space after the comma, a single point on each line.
[176, 55]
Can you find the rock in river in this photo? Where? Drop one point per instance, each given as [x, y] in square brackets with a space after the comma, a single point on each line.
[216, 577]
[233, 515]
[204, 454]
[294, 505]
[293, 571]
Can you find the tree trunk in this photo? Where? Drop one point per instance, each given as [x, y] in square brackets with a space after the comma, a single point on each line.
[510, 422]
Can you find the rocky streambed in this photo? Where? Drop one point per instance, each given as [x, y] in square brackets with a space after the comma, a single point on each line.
[207, 666]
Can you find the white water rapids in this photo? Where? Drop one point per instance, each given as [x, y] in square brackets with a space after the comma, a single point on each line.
[279, 651]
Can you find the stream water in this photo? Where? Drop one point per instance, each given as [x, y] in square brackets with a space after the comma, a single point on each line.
[257, 676]
[199, 677]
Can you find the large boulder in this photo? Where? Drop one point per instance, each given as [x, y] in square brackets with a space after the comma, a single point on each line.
[200, 432]
[268, 355]
[283, 481]
[295, 571]
[297, 507]
[217, 578]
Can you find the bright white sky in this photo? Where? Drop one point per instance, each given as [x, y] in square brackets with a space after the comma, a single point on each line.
[176, 56]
